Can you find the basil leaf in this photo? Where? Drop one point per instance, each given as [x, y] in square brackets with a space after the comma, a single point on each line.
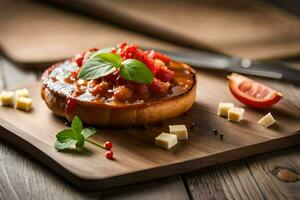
[65, 145]
[87, 56]
[95, 69]
[108, 57]
[99, 65]
[105, 50]
[76, 124]
[137, 71]
[88, 132]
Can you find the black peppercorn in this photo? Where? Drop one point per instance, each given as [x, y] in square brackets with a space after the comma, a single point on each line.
[221, 136]
[215, 131]
[160, 124]
[193, 125]
[143, 127]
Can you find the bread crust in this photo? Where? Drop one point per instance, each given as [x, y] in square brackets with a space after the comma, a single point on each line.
[103, 115]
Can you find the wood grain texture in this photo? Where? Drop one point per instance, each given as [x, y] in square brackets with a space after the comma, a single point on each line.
[31, 172]
[14, 76]
[206, 187]
[22, 177]
[165, 188]
[54, 34]
[251, 178]
[131, 164]
[230, 181]
[252, 29]
[255, 177]
[261, 169]
[2, 85]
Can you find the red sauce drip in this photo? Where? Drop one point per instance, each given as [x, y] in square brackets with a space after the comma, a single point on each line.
[71, 103]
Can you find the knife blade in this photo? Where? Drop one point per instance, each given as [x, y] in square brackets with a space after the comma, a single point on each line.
[268, 69]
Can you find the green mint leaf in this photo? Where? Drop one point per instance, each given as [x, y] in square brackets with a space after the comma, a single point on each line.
[99, 65]
[88, 132]
[76, 124]
[65, 135]
[75, 136]
[77, 128]
[80, 141]
[65, 145]
[136, 71]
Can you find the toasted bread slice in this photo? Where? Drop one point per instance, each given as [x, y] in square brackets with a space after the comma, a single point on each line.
[56, 95]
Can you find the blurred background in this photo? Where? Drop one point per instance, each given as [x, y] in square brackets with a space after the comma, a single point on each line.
[35, 33]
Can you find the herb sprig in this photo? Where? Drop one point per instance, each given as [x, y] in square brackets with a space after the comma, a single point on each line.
[101, 64]
[76, 136]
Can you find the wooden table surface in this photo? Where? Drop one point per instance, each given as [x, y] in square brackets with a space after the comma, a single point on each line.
[274, 175]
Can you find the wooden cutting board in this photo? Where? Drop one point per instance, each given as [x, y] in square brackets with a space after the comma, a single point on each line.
[32, 32]
[136, 156]
[252, 29]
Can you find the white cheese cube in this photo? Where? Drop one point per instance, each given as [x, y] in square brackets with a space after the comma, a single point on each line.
[235, 114]
[23, 103]
[267, 120]
[180, 131]
[21, 93]
[7, 98]
[223, 108]
[166, 140]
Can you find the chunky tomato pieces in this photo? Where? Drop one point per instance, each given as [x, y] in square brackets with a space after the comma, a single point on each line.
[162, 57]
[122, 93]
[159, 87]
[164, 74]
[127, 51]
[96, 88]
[122, 89]
[80, 57]
[252, 93]
[155, 61]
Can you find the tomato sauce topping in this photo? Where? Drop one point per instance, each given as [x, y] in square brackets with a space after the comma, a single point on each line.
[170, 78]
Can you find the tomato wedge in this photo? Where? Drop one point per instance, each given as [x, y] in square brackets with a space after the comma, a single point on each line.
[252, 93]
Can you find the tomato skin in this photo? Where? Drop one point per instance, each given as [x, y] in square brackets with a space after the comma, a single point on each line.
[162, 57]
[79, 59]
[235, 84]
